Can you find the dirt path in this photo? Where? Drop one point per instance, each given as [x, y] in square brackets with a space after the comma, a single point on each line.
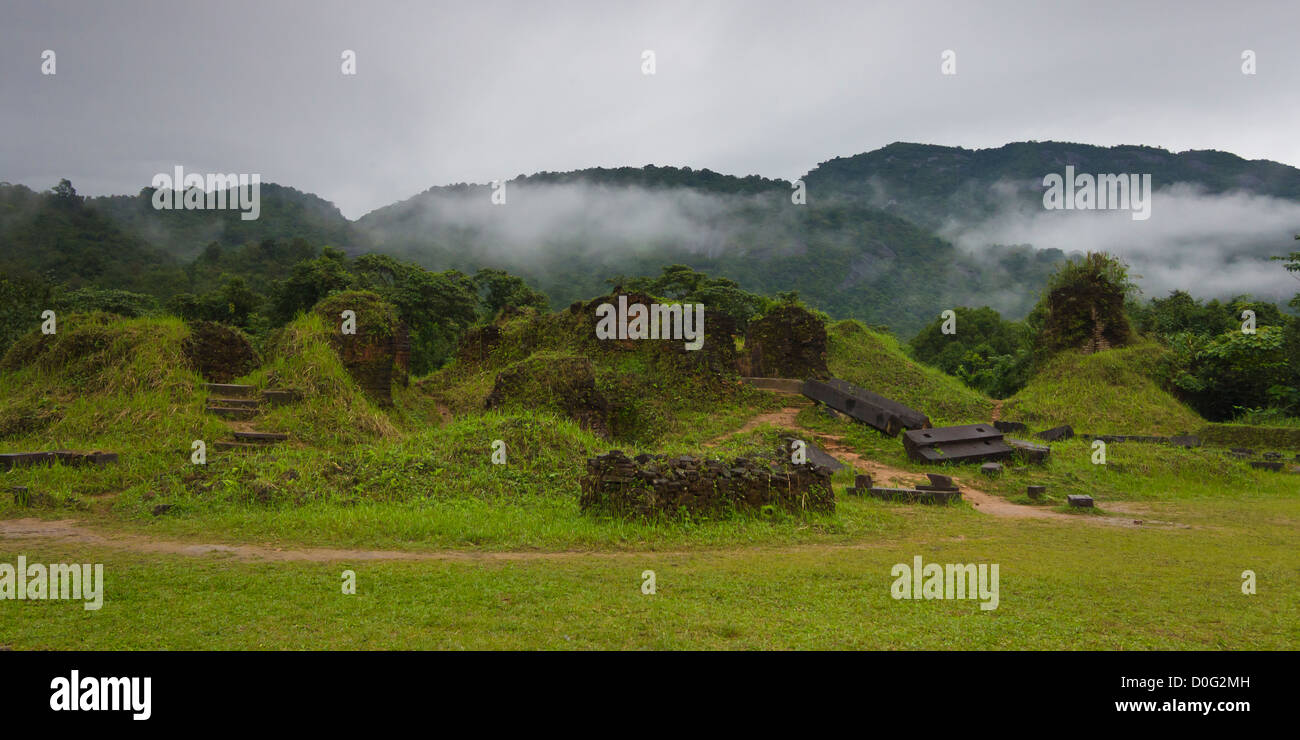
[70, 530]
[891, 476]
[784, 418]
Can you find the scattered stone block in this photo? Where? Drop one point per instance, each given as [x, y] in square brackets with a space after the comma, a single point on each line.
[1029, 451]
[1266, 465]
[965, 443]
[941, 482]
[991, 469]
[816, 455]
[1079, 501]
[1036, 493]
[862, 481]
[1242, 451]
[1007, 427]
[1056, 434]
[915, 495]
[1272, 456]
[22, 497]
[161, 509]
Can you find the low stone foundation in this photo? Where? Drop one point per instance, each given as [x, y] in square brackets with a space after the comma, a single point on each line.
[648, 485]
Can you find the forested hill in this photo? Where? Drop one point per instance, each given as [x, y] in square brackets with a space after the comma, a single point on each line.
[286, 213]
[869, 242]
[932, 184]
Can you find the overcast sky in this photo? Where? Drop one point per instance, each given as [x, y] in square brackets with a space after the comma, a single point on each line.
[477, 91]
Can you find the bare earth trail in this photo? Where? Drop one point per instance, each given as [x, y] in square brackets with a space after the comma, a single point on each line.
[71, 530]
[984, 502]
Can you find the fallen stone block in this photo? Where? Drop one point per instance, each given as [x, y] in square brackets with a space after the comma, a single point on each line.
[862, 405]
[815, 455]
[940, 482]
[22, 497]
[1036, 492]
[1266, 465]
[1029, 451]
[1079, 502]
[915, 495]
[1056, 434]
[1007, 427]
[1242, 451]
[965, 443]
[991, 469]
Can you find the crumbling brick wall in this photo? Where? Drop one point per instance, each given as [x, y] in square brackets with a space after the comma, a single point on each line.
[649, 485]
[566, 385]
[789, 342]
[218, 352]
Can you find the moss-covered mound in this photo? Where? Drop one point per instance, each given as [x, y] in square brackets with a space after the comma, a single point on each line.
[1108, 392]
[650, 386]
[102, 382]
[565, 385]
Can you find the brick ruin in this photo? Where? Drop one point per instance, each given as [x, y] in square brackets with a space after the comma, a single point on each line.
[376, 354]
[218, 352]
[650, 485]
[566, 384]
[789, 342]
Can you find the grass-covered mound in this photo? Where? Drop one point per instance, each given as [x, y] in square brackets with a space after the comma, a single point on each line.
[1108, 392]
[333, 409]
[648, 390]
[102, 382]
[877, 362]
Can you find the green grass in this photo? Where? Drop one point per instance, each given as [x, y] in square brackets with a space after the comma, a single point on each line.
[877, 362]
[1061, 586]
[1109, 392]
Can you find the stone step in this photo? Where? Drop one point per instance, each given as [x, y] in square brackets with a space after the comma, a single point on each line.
[280, 396]
[231, 389]
[230, 412]
[262, 437]
[238, 446]
[239, 403]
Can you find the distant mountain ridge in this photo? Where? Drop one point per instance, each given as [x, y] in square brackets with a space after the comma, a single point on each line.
[866, 245]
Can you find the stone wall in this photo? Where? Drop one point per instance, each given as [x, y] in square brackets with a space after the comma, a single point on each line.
[648, 485]
[789, 342]
[370, 355]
